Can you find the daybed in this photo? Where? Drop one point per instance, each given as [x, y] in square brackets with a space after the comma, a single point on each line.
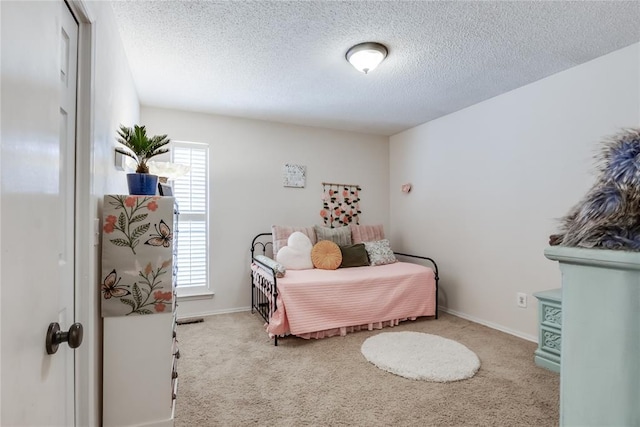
[318, 303]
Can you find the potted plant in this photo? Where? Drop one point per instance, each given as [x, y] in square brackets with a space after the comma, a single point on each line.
[141, 148]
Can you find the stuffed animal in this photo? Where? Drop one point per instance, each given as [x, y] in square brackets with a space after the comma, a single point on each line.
[608, 217]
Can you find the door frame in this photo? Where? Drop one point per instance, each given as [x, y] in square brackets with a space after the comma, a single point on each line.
[88, 357]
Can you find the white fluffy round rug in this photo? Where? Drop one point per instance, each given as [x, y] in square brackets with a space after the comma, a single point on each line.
[419, 356]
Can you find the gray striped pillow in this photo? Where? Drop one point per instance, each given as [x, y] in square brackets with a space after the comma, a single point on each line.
[341, 236]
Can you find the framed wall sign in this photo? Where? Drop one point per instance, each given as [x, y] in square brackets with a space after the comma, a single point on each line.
[294, 175]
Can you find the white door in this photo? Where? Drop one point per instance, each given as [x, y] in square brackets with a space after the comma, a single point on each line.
[39, 66]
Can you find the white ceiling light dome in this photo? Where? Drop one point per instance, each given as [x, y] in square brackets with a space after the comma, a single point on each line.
[366, 56]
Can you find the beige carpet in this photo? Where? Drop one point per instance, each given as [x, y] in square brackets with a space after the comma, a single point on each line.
[232, 375]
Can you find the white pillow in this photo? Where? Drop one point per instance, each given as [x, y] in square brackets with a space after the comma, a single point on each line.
[297, 254]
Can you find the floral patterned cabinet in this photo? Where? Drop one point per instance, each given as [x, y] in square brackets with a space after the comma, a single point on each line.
[138, 307]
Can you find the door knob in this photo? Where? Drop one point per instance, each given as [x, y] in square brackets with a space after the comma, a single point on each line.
[56, 337]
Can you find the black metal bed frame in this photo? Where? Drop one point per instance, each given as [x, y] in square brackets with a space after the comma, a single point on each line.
[264, 290]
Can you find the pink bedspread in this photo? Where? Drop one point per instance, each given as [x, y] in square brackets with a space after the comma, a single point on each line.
[319, 300]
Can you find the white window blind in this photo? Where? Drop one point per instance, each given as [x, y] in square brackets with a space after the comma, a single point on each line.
[191, 193]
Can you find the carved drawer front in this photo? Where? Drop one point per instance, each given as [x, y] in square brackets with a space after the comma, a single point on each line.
[551, 314]
[549, 329]
[550, 340]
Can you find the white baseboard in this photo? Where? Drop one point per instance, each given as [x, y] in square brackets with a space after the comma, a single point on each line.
[490, 324]
[211, 313]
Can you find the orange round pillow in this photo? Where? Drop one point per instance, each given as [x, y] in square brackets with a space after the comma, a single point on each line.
[326, 255]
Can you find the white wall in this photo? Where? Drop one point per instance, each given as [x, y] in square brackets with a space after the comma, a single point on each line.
[490, 181]
[247, 195]
[115, 101]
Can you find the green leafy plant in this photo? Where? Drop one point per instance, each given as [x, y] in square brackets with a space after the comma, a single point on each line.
[139, 146]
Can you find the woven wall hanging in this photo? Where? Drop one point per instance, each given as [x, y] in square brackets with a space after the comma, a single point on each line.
[340, 204]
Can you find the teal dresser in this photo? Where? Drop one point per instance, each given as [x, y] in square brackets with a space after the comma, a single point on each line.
[549, 329]
[600, 375]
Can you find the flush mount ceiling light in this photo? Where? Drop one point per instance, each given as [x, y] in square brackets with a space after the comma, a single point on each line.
[366, 56]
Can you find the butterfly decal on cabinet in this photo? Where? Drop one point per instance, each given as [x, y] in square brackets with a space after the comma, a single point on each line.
[162, 237]
[110, 286]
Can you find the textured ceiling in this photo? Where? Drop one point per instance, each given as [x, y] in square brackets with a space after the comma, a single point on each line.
[285, 61]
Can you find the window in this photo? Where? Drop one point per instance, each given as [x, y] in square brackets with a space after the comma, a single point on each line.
[191, 193]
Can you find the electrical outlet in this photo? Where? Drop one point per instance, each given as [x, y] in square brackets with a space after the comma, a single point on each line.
[521, 299]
